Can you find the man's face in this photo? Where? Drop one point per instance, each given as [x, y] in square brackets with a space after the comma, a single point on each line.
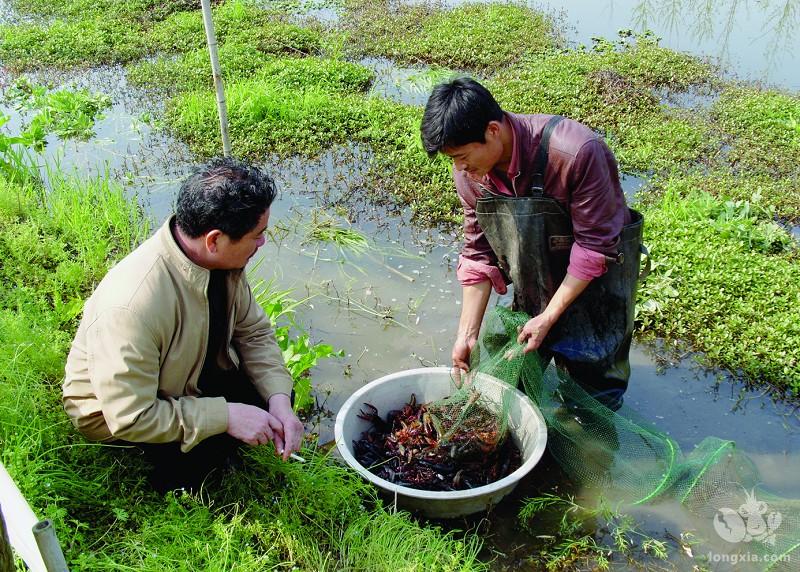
[234, 254]
[477, 159]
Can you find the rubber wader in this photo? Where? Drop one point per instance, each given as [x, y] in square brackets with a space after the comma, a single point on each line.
[532, 238]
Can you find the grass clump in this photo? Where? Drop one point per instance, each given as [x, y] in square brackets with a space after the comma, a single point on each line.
[236, 21]
[611, 88]
[762, 128]
[107, 32]
[726, 282]
[471, 36]
[141, 10]
[265, 117]
[192, 71]
[62, 43]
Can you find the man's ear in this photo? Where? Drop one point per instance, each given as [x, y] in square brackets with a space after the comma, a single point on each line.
[211, 239]
[493, 128]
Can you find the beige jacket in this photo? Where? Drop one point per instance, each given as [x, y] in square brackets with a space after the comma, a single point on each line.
[134, 365]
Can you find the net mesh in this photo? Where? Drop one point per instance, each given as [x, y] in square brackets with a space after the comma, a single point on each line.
[634, 462]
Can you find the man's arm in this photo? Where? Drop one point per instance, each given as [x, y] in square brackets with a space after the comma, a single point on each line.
[262, 360]
[477, 272]
[475, 297]
[123, 363]
[534, 331]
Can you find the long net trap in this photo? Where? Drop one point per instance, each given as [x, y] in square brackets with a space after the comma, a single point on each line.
[634, 463]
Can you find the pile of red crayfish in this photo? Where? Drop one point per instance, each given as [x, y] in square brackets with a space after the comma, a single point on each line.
[413, 448]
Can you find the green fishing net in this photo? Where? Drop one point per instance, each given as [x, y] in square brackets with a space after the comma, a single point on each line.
[633, 462]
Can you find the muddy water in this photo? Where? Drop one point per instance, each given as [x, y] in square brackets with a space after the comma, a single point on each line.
[396, 306]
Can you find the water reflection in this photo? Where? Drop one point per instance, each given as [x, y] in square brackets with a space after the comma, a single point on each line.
[709, 19]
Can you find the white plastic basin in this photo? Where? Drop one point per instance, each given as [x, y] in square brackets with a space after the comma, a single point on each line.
[526, 425]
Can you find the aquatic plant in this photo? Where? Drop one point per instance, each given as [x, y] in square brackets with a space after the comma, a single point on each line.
[299, 353]
[238, 21]
[192, 71]
[70, 43]
[470, 36]
[610, 87]
[735, 272]
[67, 113]
[760, 127]
[595, 536]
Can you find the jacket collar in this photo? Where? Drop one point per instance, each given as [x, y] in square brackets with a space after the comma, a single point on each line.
[192, 272]
[513, 170]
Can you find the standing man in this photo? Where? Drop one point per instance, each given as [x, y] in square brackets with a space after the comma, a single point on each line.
[173, 353]
[543, 208]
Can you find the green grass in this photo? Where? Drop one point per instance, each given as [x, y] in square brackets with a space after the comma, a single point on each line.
[80, 42]
[236, 21]
[265, 116]
[762, 128]
[85, 34]
[470, 36]
[192, 71]
[725, 282]
[142, 10]
[611, 88]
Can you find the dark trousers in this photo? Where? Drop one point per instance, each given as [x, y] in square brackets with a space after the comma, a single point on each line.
[173, 469]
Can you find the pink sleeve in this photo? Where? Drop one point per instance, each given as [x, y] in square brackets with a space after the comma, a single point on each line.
[585, 264]
[470, 272]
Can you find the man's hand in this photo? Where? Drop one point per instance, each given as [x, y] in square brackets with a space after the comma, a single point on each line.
[461, 352]
[253, 425]
[534, 331]
[281, 407]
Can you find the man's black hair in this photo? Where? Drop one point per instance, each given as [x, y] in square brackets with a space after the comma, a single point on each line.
[457, 113]
[224, 194]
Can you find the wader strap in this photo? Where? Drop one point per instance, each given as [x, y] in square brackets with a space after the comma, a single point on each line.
[542, 155]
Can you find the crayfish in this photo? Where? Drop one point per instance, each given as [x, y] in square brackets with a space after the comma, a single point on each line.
[415, 447]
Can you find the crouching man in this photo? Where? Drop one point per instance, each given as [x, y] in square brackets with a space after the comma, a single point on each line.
[173, 354]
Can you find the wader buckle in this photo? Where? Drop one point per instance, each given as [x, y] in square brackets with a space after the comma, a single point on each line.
[618, 259]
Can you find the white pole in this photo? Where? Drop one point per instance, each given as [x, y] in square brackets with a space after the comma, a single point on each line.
[211, 39]
[45, 534]
[20, 521]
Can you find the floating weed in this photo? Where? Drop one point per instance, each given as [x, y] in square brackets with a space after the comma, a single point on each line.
[735, 272]
[267, 117]
[760, 126]
[324, 228]
[471, 36]
[610, 88]
[192, 71]
[237, 21]
[142, 10]
[62, 43]
[67, 113]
